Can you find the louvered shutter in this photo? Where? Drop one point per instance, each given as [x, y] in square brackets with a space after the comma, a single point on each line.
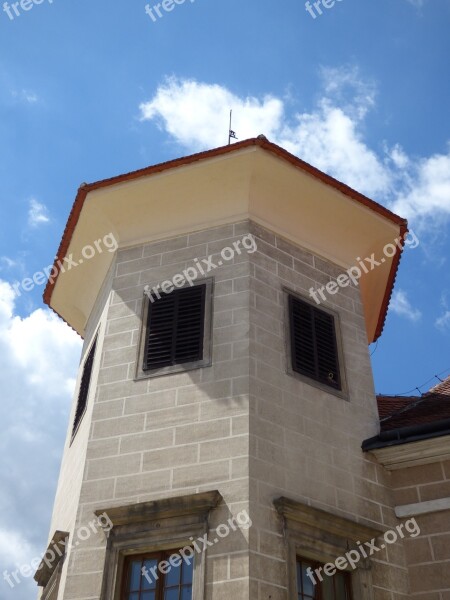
[313, 343]
[175, 328]
[84, 386]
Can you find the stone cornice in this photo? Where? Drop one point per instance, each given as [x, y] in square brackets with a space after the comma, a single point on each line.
[321, 520]
[165, 508]
[47, 567]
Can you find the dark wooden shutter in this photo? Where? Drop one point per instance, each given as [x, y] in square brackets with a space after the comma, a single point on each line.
[84, 386]
[175, 328]
[313, 343]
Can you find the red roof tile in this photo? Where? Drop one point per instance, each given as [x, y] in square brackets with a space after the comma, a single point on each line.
[387, 405]
[442, 388]
[433, 406]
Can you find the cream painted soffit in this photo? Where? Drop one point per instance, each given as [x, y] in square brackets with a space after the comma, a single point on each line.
[247, 183]
[413, 454]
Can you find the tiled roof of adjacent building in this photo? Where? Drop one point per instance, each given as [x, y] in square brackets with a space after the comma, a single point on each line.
[396, 411]
[406, 419]
[442, 388]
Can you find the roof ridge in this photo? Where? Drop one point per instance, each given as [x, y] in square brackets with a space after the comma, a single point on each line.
[442, 384]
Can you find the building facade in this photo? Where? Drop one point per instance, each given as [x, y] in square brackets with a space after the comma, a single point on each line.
[225, 389]
[414, 447]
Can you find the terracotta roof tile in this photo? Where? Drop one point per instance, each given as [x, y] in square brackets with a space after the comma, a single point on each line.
[397, 412]
[441, 388]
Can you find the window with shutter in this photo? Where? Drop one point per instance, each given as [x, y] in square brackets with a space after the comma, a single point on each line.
[176, 334]
[314, 351]
[84, 387]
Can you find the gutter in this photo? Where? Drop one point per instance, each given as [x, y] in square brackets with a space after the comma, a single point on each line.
[406, 435]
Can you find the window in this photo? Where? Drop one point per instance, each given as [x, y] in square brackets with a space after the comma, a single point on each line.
[175, 328]
[310, 587]
[319, 538]
[176, 332]
[144, 581]
[84, 387]
[313, 343]
[155, 535]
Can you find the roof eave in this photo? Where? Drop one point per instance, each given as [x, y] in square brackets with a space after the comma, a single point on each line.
[261, 142]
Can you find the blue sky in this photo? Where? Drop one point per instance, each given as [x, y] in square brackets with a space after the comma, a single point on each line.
[93, 89]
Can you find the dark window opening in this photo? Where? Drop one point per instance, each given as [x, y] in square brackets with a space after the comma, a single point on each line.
[143, 580]
[310, 586]
[175, 328]
[84, 387]
[313, 343]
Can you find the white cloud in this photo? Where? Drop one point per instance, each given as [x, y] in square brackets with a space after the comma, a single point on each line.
[337, 81]
[401, 306]
[196, 114]
[40, 356]
[443, 322]
[8, 262]
[398, 156]
[327, 137]
[427, 191]
[14, 547]
[330, 136]
[27, 96]
[37, 213]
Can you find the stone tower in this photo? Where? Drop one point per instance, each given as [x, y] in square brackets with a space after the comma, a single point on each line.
[214, 445]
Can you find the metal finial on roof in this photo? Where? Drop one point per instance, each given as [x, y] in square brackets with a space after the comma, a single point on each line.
[231, 133]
